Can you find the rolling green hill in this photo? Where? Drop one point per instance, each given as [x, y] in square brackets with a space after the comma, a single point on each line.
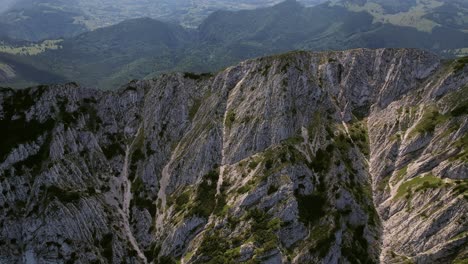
[20, 74]
[144, 48]
[39, 23]
[424, 15]
[37, 20]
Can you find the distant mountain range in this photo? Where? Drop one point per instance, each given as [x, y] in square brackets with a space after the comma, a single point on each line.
[143, 48]
[36, 20]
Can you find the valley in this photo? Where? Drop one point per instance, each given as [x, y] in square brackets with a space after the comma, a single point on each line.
[145, 48]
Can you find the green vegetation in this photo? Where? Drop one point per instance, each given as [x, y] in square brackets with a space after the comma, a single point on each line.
[360, 113]
[194, 76]
[253, 164]
[113, 150]
[457, 101]
[312, 127]
[294, 140]
[140, 198]
[356, 250]
[274, 224]
[460, 236]
[111, 56]
[400, 175]
[137, 186]
[221, 208]
[284, 68]
[38, 22]
[460, 110]
[461, 144]
[273, 160]
[276, 158]
[272, 189]
[106, 246]
[152, 252]
[401, 259]
[343, 144]
[31, 49]
[263, 231]
[210, 203]
[20, 131]
[166, 260]
[359, 135]
[194, 109]
[65, 196]
[421, 183]
[142, 202]
[461, 187]
[323, 159]
[323, 237]
[266, 70]
[182, 200]
[205, 197]
[230, 119]
[87, 109]
[311, 207]
[383, 184]
[135, 157]
[460, 64]
[246, 188]
[429, 121]
[396, 137]
[413, 14]
[268, 164]
[216, 247]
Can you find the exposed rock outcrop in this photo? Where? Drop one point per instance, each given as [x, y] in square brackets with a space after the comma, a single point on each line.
[337, 157]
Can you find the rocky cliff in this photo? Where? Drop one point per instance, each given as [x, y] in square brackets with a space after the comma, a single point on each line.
[357, 156]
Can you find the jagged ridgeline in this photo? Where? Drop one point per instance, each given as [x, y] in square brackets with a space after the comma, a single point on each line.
[357, 156]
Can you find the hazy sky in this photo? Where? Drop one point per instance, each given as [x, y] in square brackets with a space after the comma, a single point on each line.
[4, 4]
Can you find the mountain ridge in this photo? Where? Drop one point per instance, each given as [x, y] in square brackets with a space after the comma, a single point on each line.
[273, 160]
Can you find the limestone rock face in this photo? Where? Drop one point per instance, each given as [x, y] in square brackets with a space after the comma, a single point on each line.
[357, 156]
